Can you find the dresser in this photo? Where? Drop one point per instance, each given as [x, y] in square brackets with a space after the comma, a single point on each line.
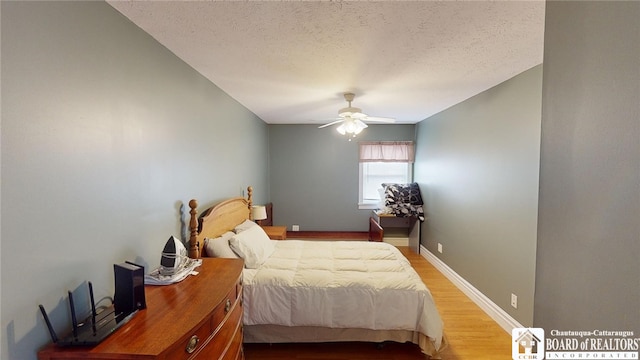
[198, 318]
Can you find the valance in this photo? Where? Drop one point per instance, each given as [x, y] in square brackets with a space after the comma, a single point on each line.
[386, 151]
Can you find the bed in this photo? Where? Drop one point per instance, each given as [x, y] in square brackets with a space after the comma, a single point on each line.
[318, 291]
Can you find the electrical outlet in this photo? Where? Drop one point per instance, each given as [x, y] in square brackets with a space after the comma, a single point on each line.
[440, 248]
[295, 227]
[514, 301]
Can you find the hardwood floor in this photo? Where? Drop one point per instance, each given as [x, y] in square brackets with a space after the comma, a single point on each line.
[471, 334]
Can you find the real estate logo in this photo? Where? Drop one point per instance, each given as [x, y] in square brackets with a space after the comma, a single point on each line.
[527, 343]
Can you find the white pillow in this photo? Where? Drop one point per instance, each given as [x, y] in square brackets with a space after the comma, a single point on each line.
[219, 247]
[253, 245]
[247, 224]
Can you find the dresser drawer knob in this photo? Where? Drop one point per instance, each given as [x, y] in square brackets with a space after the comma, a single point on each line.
[192, 344]
[227, 306]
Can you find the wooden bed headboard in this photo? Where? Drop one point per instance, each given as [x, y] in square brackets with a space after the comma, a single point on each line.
[216, 220]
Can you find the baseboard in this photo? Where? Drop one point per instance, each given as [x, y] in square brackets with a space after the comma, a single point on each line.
[506, 321]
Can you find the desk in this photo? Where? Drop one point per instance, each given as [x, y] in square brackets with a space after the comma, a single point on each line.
[377, 223]
[276, 232]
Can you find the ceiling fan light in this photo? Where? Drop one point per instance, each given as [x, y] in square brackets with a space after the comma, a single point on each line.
[351, 119]
[350, 126]
[360, 125]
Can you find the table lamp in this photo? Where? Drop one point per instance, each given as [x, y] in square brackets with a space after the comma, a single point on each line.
[258, 212]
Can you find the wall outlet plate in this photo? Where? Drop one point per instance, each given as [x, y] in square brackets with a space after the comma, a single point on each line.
[514, 301]
[440, 248]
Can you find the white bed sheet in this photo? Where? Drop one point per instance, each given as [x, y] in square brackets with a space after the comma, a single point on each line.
[340, 284]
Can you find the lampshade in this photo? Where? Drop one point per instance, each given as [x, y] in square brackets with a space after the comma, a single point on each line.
[258, 212]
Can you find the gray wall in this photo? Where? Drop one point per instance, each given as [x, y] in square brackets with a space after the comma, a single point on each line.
[477, 165]
[588, 263]
[314, 175]
[104, 134]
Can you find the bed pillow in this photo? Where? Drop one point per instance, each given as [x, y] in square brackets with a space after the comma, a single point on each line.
[253, 245]
[404, 200]
[219, 247]
[402, 193]
[247, 224]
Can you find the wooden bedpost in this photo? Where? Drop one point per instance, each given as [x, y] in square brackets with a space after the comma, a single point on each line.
[194, 247]
[250, 200]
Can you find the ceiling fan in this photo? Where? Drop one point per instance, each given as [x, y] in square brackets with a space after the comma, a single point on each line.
[352, 119]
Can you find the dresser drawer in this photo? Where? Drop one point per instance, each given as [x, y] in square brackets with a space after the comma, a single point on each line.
[191, 344]
[235, 350]
[225, 306]
[189, 347]
[226, 342]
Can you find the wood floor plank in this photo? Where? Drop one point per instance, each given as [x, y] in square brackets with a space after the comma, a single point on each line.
[470, 332]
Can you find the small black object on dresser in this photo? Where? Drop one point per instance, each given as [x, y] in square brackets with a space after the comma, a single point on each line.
[129, 282]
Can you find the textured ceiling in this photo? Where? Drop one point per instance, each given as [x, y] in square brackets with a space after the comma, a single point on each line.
[290, 62]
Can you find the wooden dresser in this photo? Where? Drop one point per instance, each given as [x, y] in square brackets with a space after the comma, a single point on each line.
[198, 318]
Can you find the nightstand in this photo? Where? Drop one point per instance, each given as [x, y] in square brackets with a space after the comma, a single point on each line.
[276, 232]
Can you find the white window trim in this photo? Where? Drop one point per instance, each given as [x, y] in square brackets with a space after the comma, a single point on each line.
[362, 205]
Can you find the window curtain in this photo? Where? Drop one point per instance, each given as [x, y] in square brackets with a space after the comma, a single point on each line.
[387, 151]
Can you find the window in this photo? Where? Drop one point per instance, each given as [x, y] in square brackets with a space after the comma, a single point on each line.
[374, 174]
[383, 162]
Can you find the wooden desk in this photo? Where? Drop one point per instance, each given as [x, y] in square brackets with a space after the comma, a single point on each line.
[276, 232]
[196, 319]
[377, 223]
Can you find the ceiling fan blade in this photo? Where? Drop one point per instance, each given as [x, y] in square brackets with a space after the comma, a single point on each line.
[380, 119]
[331, 123]
[361, 124]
